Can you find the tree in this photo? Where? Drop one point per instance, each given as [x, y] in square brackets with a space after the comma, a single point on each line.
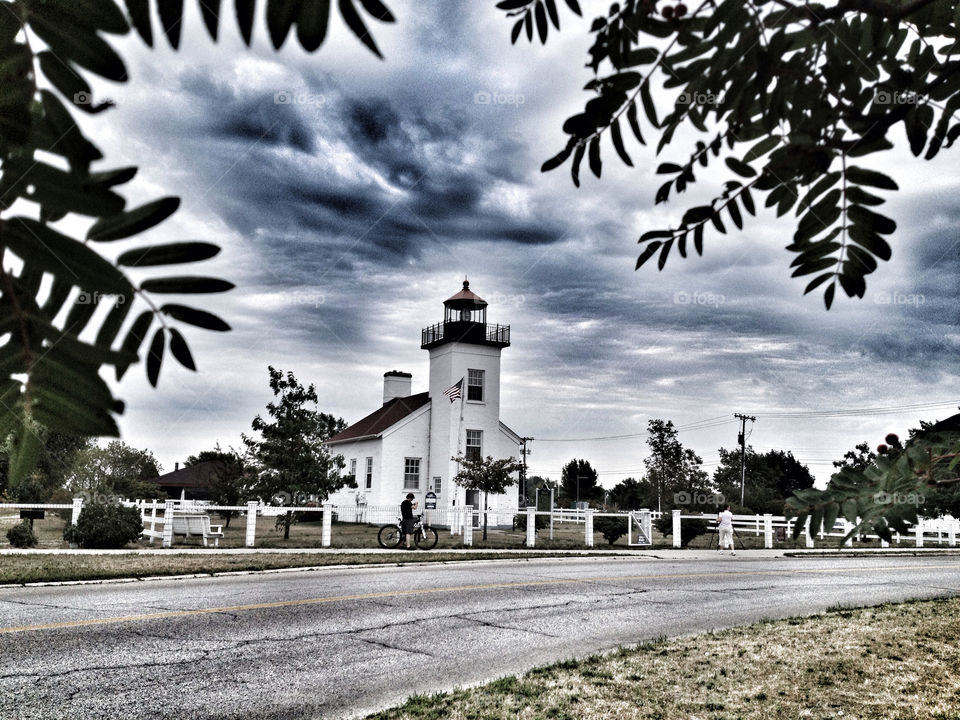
[860, 458]
[59, 40]
[47, 481]
[487, 475]
[673, 470]
[230, 482]
[291, 461]
[633, 494]
[612, 528]
[796, 97]
[771, 478]
[887, 495]
[578, 482]
[106, 474]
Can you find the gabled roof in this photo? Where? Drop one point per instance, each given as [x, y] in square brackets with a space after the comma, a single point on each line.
[380, 420]
[198, 477]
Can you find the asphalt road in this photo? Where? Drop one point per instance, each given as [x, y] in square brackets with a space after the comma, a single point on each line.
[339, 642]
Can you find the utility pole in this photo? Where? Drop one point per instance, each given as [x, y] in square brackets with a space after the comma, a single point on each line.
[523, 471]
[743, 450]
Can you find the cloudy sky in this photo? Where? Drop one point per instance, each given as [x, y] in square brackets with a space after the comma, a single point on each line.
[348, 212]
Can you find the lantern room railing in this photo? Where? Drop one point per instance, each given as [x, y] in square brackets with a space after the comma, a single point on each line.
[469, 332]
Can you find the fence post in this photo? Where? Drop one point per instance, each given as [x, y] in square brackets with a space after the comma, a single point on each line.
[952, 534]
[808, 538]
[77, 507]
[884, 543]
[646, 523]
[468, 525]
[846, 528]
[531, 526]
[676, 528]
[588, 527]
[768, 530]
[168, 524]
[251, 538]
[327, 522]
[919, 532]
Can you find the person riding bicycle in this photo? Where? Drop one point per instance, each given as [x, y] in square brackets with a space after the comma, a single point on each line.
[407, 519]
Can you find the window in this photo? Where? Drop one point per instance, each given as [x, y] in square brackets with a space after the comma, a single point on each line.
[437, 483]
[474, 384]
[411, 473]
[353, 469]
[369, 482]
[474, 444]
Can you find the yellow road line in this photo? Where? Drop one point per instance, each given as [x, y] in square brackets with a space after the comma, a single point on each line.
[453, 588]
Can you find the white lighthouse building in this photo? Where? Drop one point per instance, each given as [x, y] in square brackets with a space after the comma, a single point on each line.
[407, 444]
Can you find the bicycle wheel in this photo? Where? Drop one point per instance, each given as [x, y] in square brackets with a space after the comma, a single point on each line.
[389, 536]
[426, 538]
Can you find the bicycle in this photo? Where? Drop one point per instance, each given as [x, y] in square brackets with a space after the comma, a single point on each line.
[391, 536]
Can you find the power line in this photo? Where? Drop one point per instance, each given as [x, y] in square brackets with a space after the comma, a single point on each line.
[698, 425]
[859, 411]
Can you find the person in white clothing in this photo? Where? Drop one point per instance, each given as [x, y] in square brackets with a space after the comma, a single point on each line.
[725, 529]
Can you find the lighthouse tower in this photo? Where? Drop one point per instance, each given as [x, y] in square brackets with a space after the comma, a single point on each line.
[465, 349]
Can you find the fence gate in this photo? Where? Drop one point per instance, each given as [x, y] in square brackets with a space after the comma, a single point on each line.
[639, 524]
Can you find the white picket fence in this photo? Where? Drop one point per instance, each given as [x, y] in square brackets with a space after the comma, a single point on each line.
[464, 520]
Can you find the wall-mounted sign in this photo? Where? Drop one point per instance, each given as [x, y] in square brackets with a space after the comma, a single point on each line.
[430, 501]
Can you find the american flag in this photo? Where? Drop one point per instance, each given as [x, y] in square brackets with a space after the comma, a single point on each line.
[453, 392]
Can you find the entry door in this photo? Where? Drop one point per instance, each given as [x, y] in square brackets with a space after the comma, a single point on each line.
[474, 499]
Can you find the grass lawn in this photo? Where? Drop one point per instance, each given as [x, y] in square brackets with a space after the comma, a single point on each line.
[892, 661]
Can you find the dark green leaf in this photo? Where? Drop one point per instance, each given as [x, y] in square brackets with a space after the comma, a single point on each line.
[24, 450]
[817, 282]
[828, 295]
[280, 17]
[171, 254]
[575, 165]
[114, 321]
[595, 164]
[245, 10]
[312, 24]
[63, 257]
[668, 168]
[634, 125]
[552, 12]
[133, 222]
[618, 143]
[647, 253]
[134, 339]
[540, 14]
[210, 9]
[735, 213]
[155, 356]
[868, 239]
[186, 285]
[200, 318]
[517, 29]
[69, 414]
[859, 176]
[747, 199]
[178, 346]
[648, 107]
[353, 21]
[84, 47]
[171, 18]
[378, 10]
[853, 285]
[112, 178]
[574, 5]
[874, 221]
[740, 168]
[717, 222]
[139, 11]
[762, 148]
[558, 159]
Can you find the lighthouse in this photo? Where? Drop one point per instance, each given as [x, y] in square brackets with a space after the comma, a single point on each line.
[408, 444]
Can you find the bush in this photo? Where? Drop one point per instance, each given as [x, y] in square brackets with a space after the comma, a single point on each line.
[21, 535]
[105, 526]
[611, 528]
[540, 522]
[689, 529]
